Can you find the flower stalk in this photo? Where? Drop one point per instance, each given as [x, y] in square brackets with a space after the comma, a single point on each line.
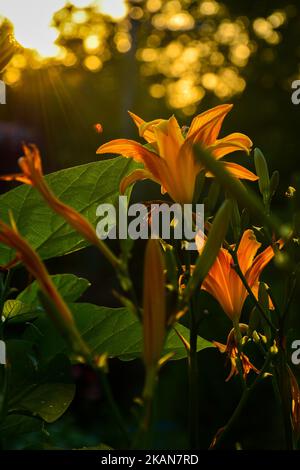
[32, 173]
[56, 307]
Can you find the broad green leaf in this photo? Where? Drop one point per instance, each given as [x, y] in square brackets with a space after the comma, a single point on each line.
[114, 331]
[49, 401]
[69, 286]
[17, 311]
[83, 187]
[27, 305]
[42, 390]
[14, 427]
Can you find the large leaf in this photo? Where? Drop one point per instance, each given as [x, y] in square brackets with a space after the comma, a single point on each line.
[44, 390]
[83, 187]
[114, 331]
[27, 305]
[16, 311]
[69, 286]
[15, 427]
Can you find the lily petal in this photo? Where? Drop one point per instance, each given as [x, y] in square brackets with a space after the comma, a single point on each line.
[240, 172]
[216, 282]
[136, 175]
[206, 127]
[145, 128]
[259, 264]
[132, 149]
[231, 143]
[247, 250]
[236, 170]
[169, 139]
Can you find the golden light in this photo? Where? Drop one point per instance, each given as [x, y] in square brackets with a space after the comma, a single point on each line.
[12, 76]
[209, 81]
[264, 28]
[32, 19]
[19, 61]
[136, 13]
[116, 9]
[157, 90]
[93, 63]
[92, 43]
[122, 41]
[79, 17]
[32, 23]
[277, 18]
[181, 22]
[153, 5]
[209, 8]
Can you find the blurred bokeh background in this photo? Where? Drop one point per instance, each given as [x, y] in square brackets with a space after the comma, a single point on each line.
[83, 63]
[91, 61]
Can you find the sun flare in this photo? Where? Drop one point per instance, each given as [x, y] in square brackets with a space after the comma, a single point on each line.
[32, 20]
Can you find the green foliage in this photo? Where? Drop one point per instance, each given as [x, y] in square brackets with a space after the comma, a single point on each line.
[69, 286]
[43, 390]
[114, 331]
[83, 187]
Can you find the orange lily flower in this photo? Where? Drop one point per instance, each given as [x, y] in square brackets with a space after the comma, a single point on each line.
[169, 159]
[61, 316]
[223, 283]
[32, 173]
[232, 353]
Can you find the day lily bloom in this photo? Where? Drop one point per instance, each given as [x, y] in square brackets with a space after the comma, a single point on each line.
[61, 314]
[168, 158]
[232, 353]
[222, 281]
[32, 173]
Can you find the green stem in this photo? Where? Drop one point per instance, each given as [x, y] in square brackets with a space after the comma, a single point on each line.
[238, 339]
[193, 369]
[237, 332]
[235, 416]
[287, 310]
[193, 384]
[284, 388]
[142, 438]
[244, 398]
[4, 373]
[5, 291]
[113, 406]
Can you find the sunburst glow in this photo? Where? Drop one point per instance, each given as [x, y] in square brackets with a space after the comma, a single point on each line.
[32, 23]
[32, 20]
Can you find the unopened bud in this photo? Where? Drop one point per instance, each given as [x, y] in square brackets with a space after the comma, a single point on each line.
[263, 338]
[290, 192]
[102, 363]
[274, 348]
[255, 337]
